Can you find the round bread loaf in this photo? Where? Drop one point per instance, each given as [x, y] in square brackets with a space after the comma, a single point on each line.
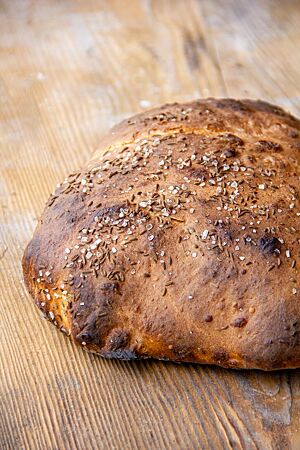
[179, 239]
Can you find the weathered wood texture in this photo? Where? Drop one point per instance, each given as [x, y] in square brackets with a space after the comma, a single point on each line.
[68, 71]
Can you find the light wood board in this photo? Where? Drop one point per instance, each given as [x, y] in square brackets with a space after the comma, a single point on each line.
[69, 70]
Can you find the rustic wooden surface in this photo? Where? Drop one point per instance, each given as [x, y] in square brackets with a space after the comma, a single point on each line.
[69, 69]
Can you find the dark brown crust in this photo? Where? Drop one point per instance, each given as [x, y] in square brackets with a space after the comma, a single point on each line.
[205, 267]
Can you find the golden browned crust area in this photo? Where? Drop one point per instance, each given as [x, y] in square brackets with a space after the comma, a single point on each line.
[179, 239]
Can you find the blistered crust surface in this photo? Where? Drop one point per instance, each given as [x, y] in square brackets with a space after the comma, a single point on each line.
[179, 239]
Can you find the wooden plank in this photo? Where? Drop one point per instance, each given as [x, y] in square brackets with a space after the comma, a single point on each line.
[68, 71]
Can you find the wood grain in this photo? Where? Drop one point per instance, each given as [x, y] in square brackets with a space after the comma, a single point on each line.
[68, 71]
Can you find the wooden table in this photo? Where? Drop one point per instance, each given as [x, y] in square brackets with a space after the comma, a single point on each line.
[69, 69]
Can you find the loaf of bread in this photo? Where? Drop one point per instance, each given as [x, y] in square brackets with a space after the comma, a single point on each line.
[179, 239]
